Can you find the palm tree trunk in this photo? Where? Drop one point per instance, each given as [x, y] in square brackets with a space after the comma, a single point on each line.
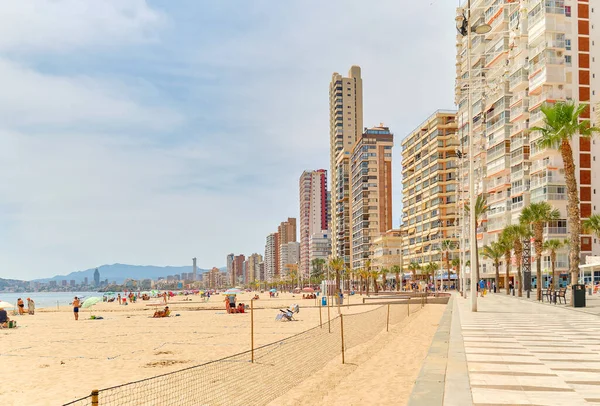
[458, 278]
[553, 264]
[506, 283]
[397, 282]
[538, 264]
[497, 275]
[573, 214]
[520, 277]
[538, 231]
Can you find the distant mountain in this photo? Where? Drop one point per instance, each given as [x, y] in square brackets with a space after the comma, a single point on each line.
[120, 272]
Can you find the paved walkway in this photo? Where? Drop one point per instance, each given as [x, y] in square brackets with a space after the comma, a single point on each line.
[520, 352]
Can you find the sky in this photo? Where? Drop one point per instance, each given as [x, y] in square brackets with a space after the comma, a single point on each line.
[151, 132]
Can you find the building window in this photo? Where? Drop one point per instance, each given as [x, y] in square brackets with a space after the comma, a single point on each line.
[568, 11]
[568, 44]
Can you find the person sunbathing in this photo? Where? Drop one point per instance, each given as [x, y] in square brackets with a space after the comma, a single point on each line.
[4, 319]
[162, 313]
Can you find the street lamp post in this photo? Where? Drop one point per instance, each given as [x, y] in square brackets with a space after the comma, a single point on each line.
[465, 29]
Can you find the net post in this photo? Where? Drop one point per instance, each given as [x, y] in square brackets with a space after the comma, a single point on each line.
[387, 323]
[342, 330]
[408, 307]
[95, 397]
[252, 328]
[320, 317]
[328, 314]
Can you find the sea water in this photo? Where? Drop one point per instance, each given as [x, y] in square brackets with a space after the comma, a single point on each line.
[46, 299]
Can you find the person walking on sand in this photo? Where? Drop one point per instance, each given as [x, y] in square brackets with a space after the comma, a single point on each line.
[165, 297]
[30, 306]
[119, 298]
[76, 308]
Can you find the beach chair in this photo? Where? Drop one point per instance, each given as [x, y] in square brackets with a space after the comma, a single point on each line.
[286, 315]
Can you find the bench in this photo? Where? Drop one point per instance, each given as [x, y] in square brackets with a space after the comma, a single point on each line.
[548, 294]
[562, 293]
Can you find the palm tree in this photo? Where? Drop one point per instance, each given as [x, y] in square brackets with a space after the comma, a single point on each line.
[337, 265]
[561, 124]
[396, 270]
[414, 267]
[481, 208]
[364, 280]
[318, 265]
[505, 246]
[552, 246]
[447, 246]
[494, 252]
[430, 269]
[515, 233]
[383, 273]
[456, 266]
[537, 215]
[592, 225]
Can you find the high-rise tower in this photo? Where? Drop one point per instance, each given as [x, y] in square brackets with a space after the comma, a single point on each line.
[314, 212]
[345, 126]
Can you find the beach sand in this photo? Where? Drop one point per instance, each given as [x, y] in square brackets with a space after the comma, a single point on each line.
[52, 359]
[381, 371]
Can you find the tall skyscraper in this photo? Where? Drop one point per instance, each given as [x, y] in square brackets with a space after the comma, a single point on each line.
[346, 124]
[97, 277]
[371, 197]
[429, 194]
[194, 270]
[271, 261]
[286, 232]
[238, 270]
[314, 212]
[537, 52]
[253, 267]
[230, 274]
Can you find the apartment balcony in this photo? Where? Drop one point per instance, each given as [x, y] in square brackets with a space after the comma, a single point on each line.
[498, 166]
[499, 182]
[518, 159]
[518, 142]
[519, 127]
[517, 97]
[541, 181]
[520, 111]
[555, 230]
[545, 197]
[536, 118]
[518, 81]
[518, 175]
[546, 95]
[549, 71]
[552, 163]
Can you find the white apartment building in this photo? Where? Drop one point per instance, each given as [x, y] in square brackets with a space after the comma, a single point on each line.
[538, 51]
[271, 257]
[289, 254]
[319, 247]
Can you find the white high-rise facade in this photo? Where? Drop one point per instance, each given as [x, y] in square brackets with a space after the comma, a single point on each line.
[271, 257]
[314, 213]
[345, 126]
[538, 51]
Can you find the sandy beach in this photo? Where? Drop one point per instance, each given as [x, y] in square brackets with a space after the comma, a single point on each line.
[381, 371]
[52, 359]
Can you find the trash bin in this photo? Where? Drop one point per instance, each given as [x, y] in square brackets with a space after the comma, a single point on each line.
[324, 301]
[578, 295]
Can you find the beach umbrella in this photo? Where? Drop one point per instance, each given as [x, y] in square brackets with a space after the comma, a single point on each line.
[90, 301]
[232, 291]
[308, 290]
[5, 304]
[273, 290]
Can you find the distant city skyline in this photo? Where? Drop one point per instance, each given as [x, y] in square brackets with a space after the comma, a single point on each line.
[132, 133]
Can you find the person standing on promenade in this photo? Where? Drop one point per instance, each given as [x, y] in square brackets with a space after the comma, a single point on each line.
[76, 308]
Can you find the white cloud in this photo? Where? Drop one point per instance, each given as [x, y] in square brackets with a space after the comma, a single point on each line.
[30, 98]
[64, 25]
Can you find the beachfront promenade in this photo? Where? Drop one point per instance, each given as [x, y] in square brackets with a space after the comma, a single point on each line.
[514, 352]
